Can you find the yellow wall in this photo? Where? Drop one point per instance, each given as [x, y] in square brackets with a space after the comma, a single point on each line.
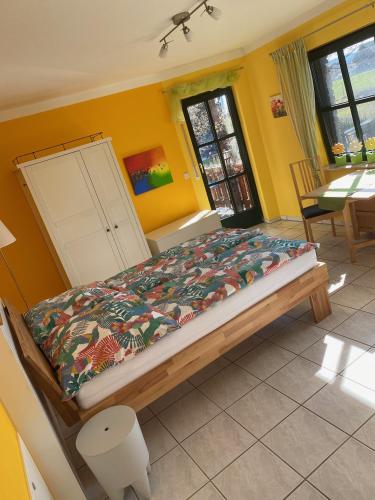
[136, 120]
[139, 119]
[13, 484]
[281, 145]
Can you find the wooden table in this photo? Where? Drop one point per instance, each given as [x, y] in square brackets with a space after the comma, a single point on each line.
[352, 187]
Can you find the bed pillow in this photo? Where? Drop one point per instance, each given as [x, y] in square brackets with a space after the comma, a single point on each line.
[48, 314]
[103, 336]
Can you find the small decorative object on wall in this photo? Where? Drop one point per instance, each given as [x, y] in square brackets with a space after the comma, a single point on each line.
[370, 149]
[148, 170]
[355, 148]
[278, 106]
[338, 150]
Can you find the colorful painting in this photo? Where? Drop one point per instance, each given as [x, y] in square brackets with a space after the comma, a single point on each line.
[148, 170]
[278, 106]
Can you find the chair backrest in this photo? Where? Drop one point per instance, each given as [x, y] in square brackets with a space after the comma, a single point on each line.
[302, 176]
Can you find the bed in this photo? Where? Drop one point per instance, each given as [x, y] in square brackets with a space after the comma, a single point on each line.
[197, 342]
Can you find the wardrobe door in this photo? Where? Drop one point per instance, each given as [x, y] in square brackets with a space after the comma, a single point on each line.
[74, 218]
[109, 186]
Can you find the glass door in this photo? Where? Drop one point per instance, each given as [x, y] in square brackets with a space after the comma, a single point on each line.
[219, 146]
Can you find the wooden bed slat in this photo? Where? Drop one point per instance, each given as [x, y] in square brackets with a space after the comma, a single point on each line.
[184, 364]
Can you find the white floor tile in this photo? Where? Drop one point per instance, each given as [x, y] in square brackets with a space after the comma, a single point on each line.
[304, 440]
[348, 474]
[265, 360]
[175, 476]
[300, 379]
[188, 414]
[257, 474]
[335, 352]
[217, 444]
[228, 385]
[343, 403]
[366, 433]
[261, 409]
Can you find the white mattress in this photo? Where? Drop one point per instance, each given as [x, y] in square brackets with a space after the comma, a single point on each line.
[115, 378]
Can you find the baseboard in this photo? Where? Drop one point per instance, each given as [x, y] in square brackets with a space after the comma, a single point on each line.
[292, 218]
[270, 221]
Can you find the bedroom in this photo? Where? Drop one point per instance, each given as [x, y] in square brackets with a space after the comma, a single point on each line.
[55, 93]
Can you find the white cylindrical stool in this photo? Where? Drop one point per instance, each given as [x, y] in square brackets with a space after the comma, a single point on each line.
[112, 445]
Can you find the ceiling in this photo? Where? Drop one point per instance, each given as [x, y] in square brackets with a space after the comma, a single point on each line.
[62, 51]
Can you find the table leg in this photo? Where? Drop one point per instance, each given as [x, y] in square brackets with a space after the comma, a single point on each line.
[349, 230]
[354, 221]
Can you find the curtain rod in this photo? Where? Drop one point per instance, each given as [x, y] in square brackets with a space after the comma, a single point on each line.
[366, 6]
[235, 68]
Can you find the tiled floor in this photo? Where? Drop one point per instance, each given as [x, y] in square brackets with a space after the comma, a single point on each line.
[290, 413]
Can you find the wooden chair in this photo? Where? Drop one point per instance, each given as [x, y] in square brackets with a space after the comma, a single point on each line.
[302, 177]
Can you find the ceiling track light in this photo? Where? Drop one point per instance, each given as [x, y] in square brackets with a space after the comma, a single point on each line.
[187, 33]
[180, 19]
[212, 11]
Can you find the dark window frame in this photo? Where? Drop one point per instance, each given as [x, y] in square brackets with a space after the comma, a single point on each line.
[245, 218]
[338, 46]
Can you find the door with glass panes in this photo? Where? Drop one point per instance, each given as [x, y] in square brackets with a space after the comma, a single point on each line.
[219, 146]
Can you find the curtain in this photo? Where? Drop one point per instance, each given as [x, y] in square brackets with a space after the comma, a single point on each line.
[211, 82]
[297, 87]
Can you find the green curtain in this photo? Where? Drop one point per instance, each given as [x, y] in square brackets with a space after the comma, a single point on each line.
[297, 87]
[211, 82]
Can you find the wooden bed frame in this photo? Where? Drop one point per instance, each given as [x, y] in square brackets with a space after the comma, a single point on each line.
[184, 364]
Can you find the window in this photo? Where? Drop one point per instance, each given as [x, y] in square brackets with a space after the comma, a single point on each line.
[344, 80]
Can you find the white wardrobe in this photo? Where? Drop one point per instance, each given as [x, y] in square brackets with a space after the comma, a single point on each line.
[88, 213]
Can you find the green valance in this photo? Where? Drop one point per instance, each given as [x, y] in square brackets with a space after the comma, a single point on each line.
[210, 82]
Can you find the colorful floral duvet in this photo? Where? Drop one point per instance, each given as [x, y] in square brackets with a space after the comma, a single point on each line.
[88, 329]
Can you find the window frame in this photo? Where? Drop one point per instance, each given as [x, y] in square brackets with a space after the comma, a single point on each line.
[338, 46]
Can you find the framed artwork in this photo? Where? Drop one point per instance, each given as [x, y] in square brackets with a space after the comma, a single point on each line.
[278, 106]
[148, 170]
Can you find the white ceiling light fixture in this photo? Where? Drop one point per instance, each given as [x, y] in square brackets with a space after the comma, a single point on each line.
[212, 11]
[187, 33]
[163, 49]
[180, 19]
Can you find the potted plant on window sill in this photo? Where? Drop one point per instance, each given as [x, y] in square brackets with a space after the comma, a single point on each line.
[355, 148]
[370, 149]
[338, 150]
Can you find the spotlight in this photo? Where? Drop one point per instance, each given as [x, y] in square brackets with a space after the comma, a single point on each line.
[164, 50]
[214, 12]
[187, 33]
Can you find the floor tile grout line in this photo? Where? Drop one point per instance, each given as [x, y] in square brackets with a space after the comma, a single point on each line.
[299, 485]
[327, 458]
[175, 401]
[317, 488]
[232, 462]
[350, 436]
[200, 489]
[179, 445]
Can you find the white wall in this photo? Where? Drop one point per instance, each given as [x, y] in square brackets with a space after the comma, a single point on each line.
[32, 423]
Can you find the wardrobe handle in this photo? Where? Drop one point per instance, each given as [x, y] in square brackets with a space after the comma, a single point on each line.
[116, 226]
